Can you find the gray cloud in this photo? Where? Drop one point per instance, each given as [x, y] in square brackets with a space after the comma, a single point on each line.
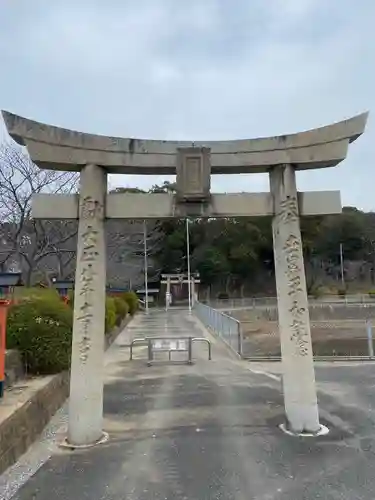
[196, 70]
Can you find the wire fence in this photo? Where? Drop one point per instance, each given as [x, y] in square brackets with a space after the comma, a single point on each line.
[221, 324]
[261, 302]
[318, 312]
[337, 329]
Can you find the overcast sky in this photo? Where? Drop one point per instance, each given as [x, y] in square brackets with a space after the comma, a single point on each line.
[197, 69]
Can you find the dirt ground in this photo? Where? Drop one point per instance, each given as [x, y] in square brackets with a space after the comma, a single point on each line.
[342, 337]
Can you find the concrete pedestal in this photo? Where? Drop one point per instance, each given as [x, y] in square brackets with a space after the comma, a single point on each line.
[86, 383]
[294, 323]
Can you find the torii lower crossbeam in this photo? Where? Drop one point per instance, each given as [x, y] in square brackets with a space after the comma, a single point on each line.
[160, 206]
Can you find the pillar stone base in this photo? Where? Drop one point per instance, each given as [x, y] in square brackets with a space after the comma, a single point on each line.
[323, 431]
[69, 446]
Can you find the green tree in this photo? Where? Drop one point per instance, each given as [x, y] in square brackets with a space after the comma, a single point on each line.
[234, 253]
[212, 265]
[347, 229]
[166, 187]
[127, 190]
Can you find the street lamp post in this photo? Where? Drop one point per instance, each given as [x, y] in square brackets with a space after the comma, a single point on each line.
[188, 261]
[145, 263]
[342, 266]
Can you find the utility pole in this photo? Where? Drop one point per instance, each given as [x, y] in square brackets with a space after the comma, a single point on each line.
[342, 266]
[145, 263]
[188, 261]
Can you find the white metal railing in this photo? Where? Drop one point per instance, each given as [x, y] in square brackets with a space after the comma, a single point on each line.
[141, 304]
[261, 302]
[224, 326]
[231, 330]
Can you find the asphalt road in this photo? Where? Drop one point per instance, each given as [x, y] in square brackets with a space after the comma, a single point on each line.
[210, 431]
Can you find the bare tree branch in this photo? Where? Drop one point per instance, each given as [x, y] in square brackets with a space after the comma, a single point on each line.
[48, 248]
[22, 239]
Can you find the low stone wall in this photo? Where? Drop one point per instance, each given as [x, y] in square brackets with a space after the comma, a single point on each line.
[23, 426]
[111, 337]
[14, 369]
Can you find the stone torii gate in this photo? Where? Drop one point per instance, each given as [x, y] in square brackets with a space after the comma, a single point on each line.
[96, 156]
[179, 279]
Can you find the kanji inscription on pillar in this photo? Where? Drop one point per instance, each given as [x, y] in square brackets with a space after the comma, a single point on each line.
[91, 210]
[299, 315]
[298, 328]
[289, 209]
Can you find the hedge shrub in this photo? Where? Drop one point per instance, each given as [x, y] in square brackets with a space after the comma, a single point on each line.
[122, 309]
[132, 300]
[26, 293]
[112, 311]
[71, 298]
[40, 327]
[110, 314]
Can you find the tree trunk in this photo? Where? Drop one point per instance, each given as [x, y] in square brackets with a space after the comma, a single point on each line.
[28, 276]
[227, 284]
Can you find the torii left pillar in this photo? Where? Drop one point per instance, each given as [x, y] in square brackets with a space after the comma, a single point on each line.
[86, 376]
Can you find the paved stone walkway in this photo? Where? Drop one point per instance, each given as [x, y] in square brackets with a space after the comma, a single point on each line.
[206, 431]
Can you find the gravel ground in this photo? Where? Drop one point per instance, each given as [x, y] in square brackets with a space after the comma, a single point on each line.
[332, 336]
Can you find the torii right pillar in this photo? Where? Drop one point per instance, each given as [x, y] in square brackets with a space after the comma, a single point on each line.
[300, 397]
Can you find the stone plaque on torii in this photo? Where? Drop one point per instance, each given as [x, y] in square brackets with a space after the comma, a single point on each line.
[193, 162]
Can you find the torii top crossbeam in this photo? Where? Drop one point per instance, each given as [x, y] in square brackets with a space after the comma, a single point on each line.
[62, 149]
